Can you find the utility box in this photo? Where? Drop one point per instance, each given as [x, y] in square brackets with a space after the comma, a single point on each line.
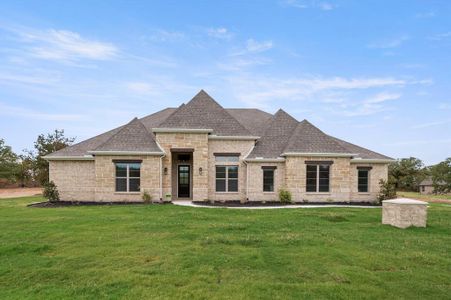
[403, 213]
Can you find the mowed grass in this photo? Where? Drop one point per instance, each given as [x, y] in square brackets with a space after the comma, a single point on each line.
[171, 252]
[424, 197]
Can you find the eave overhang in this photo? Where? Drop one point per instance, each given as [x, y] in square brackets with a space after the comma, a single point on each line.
[371, 161]
[231, 137]
[85, 157]
[313, 154]
[156, 153]
[182, 130]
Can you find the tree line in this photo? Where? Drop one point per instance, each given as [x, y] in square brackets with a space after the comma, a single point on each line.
[407, 174]
[29, 167]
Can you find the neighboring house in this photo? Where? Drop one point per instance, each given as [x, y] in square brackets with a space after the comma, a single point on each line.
[202, 151]
[427, 186]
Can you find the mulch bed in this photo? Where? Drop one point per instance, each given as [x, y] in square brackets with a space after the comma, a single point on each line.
[47, 204]
[276, 203]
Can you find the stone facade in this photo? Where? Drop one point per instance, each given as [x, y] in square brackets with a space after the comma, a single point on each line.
[403, 213]
[95, 180]
[105, 183]
[199, 143]
[75, 180]
[227, 146]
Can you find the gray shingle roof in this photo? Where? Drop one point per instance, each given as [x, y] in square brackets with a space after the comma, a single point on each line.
[279, 132]
[306, 138]
[202, 112]
[131, 137]
[276, 137]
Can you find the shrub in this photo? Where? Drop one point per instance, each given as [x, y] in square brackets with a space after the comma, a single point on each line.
[387, 190]
[284, 196]
[51, 192]
[147, 198]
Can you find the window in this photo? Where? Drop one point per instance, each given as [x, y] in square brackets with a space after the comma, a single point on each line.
[423, 188]
[268, 179]
[128, 176]
[226, 178]
[363, 179]
[317, 178]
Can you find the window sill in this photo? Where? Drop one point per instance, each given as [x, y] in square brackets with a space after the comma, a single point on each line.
[227, 193]
[364, 193]
[318, 193]
[127, 193]
[269, 192]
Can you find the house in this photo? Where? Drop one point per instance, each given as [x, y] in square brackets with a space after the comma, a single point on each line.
[427, 185]
[202, 151]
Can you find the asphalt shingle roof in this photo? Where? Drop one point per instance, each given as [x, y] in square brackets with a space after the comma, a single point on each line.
[279, 133]
[202, 112]
[131, 137]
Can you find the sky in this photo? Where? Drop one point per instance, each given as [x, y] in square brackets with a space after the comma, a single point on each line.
[374, 73]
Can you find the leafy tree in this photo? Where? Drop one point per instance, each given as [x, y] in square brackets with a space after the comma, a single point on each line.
[8, 161]
[46, 144]
[24, 171]
[407, 173]
[441, 176]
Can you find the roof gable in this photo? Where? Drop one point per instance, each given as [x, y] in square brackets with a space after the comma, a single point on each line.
[131, 137]
[203, 112]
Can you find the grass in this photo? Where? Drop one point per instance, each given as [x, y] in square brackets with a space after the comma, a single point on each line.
[416, 195]
[171, 252]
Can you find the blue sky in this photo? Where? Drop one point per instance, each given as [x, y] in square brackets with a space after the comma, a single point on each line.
[375, 73]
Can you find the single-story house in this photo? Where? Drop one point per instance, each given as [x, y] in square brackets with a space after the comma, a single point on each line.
[427, 186]
[202, 151]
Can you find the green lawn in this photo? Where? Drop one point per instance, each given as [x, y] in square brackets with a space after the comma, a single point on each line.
[169, 252]
[416, 195]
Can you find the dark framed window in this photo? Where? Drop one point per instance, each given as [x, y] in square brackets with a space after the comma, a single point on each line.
[128, 177]
[317, 178]
[268, 180]
[363, 180]
[226, 178]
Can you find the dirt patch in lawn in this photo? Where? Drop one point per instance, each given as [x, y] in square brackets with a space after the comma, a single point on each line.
[19, 192]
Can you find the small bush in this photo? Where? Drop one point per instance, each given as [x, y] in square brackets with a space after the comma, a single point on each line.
[51, 192]
[387, 190]
[147, 198]
[284, 196]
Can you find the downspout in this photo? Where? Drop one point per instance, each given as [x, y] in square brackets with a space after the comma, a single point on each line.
[247, 171]
[161, 169]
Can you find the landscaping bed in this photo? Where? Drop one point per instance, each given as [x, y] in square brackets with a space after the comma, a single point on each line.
[87, 203]
[237, 203]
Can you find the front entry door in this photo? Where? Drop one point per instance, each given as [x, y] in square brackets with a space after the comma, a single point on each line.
[183, 176]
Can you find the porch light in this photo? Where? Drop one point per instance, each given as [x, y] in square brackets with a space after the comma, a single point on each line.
[165, 171]
[200, 171]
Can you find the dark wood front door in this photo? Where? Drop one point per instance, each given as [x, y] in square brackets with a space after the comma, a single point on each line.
[183, 179]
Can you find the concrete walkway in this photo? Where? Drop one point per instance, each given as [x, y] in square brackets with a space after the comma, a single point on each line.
[190, 204]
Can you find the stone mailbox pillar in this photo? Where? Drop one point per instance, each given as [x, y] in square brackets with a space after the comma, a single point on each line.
[403, 213]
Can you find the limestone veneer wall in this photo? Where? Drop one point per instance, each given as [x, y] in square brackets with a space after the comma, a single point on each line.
[227, 146]
[197, 141]
[377, 172]
[75, 180]
[255, 186]
[105, 180]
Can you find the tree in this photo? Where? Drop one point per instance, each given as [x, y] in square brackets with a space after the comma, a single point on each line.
[407, 173]
[8, 161]
[45, 145]
[441, 176]
[24, 171]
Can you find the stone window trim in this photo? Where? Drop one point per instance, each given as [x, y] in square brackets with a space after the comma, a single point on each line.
[227, 179]
[127, 177]
[319, 162]
[317, 186]
[226, 154]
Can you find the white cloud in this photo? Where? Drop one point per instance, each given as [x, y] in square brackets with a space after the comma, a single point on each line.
[140, 87]
[371, 105]
[254, 46]
[160, 35]
[13, 111]
[431, 124]
[40, 78]
[425, 15]
[64, 45]
[220, 33]
[444, 106]
[303, 4]
[389, 43]
[326, 6]
[441, 36]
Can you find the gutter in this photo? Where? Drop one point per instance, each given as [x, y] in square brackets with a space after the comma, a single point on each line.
[370, 160]
[319, 154]
[161, 169]
[85, 157]
[125, 152]
[181, 130]
[236, 138]
[267, 160]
